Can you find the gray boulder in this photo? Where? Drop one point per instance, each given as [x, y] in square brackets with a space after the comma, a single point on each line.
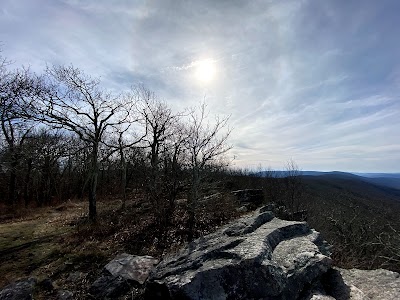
[19, 290]
[132, 267]
[255, 257]
[121, 274]
[370, 284]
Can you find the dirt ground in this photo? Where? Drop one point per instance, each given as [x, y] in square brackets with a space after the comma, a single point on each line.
[60, 244]
[29, 245]
[46, 244]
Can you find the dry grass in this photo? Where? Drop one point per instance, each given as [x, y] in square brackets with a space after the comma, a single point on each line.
[55, 242]
[29, 243]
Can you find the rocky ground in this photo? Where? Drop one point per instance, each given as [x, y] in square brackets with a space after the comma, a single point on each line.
[255, 257]
[60, 245]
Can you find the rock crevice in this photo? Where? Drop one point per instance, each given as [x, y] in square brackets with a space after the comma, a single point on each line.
[256, 257]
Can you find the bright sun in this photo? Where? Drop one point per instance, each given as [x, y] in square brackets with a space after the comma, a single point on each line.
[205, 70]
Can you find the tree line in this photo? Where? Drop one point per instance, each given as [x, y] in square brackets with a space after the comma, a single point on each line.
[63, 135]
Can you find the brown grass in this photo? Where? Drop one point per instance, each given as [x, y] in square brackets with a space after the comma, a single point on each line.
[56, 241]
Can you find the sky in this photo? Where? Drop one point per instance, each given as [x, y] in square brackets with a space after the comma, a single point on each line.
[313, 81]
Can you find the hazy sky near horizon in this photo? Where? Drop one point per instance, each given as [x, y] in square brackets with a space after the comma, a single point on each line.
[316, 81]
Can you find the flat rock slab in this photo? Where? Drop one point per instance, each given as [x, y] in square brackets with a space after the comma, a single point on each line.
[255, 257]
[132, 267]
[372, 284]
[121, 274]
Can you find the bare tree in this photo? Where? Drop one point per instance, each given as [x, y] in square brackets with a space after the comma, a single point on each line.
[160, 125]
[121, 146]
[294, 186]
[174, 158]
[158, 120]
[74, 101]
[389, 240]
[16, 87]
[122, 140]
[4, 63]
[204, 143]
[42, 157]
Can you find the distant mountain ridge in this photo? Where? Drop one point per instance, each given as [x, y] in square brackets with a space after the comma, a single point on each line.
[379, 175]
[391, 180]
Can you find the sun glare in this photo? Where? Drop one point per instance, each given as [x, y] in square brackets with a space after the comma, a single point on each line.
[205, 70]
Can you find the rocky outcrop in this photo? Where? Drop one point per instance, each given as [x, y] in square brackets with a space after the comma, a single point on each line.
[121, 273]
[368, 284]
[19, 290]
[256, 257]
[132, 267]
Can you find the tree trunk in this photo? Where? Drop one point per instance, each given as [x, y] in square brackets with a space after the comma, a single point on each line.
[27, 180]
[12, 185]
[92, 197]
[193, 202]
[45, 184]
[13, 180]
[123, 177]
[93, 185]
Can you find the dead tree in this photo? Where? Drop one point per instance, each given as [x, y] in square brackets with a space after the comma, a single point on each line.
[16, 87]
[294, 186]
[75, 101]
[160, 126]
[205, 143]
[124, 138]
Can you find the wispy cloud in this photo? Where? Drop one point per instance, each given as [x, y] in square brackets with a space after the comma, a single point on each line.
[317, 81]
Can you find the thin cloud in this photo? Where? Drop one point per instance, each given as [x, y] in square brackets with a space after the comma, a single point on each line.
[314, 80]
